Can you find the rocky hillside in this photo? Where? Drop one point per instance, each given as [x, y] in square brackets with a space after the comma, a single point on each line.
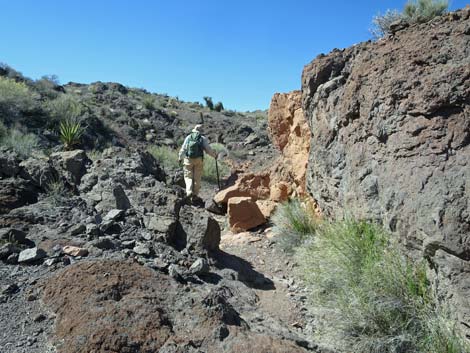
[390, 125]
[106, 256]
[115, 115]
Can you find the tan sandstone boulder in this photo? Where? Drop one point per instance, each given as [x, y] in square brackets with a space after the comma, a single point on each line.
[244, 214]
[247, 185]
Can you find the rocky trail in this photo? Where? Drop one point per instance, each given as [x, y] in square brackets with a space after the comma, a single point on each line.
[101, 252]
[122, 263]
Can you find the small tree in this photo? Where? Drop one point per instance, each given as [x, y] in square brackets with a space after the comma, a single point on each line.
[209, 102]
[219, 107]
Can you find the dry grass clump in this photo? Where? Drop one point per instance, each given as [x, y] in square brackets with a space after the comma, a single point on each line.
[376, 299]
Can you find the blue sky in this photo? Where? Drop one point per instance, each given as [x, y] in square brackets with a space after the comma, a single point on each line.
[238, 52]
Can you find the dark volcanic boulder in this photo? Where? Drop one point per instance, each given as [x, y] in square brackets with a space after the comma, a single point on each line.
[391, 140]
[119, 306]
[9, 164]
[72, 163]
[197, 230]
[15, 193]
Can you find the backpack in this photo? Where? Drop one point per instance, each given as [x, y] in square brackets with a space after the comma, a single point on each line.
[194, 148]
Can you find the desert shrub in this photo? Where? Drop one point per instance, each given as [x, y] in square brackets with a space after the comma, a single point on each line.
[46, 86]
[209, 102]
[209, 173]
[22, 143]
[293, 221]
[381, 23]
[166, 156]
[218, 107]
[15, 97]
[71, 131]
[57, 193]
[64, 107]
[376, 297]
[149, 102]
[419, 11]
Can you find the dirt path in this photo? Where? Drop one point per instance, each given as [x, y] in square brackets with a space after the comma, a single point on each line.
[286, 298]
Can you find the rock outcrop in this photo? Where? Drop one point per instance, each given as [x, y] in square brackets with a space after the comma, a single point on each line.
[391, 141]
[290, 134]
[244, 213]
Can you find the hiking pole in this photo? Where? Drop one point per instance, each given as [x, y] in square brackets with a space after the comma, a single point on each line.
[217, 171]
[192, 183]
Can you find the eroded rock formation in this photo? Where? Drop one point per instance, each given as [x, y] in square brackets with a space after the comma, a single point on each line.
[390, 125]
[290, 133]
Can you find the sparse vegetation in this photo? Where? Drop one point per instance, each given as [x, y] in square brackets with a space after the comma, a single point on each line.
[381, 23]
[293, 222]
[65, 107]
[56, 192]
[149, 102]
[377, 300]
[419, 11]
[22, 143]
[209, 173]
[166, 156]
[46, 86]
[415, 11]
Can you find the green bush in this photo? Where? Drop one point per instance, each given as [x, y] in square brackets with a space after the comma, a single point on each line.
[149, 102]
[379, 300]
[293, 222]
[209, 173]
[46, 86]
[21, 143]
[420, 11]
[64, 107]
[166, 156]
[15, 97]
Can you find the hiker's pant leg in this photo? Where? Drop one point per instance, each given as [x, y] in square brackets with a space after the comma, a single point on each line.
[198, 168]
[188, 176]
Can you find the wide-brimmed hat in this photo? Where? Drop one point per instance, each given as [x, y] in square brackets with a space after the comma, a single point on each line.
[197, 128]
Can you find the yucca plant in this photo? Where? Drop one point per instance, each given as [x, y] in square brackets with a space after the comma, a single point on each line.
[71, 131]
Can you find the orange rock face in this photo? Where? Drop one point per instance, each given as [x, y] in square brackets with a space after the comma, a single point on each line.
[244, 214]
[290, 133]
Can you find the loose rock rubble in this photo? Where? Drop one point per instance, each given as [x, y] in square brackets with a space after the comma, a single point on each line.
[120, 262]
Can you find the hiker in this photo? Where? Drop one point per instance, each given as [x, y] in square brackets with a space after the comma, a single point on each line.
[194, 146]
